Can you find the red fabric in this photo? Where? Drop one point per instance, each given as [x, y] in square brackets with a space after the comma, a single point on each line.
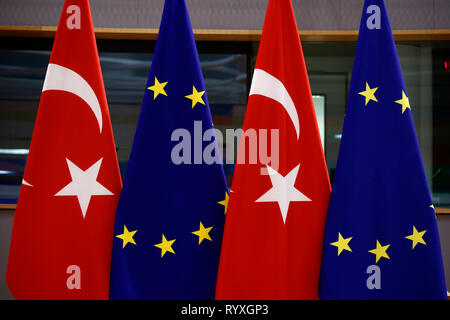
[49, 232]
[261, 257]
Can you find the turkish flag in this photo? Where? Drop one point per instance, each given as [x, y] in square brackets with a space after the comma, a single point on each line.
[274, 226]
[63, 225]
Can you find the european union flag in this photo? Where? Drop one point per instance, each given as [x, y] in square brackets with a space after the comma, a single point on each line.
[381, 239]
[169, 220]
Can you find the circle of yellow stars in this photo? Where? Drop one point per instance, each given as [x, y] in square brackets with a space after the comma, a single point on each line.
[416, 237]
[369, 95]
[166, 245]
[380, 251]
[195, 96]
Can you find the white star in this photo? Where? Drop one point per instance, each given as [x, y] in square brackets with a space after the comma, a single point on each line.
[283, 190]
[26, 183]
[84, 185]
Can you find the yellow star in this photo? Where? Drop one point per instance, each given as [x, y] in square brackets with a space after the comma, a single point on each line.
[432, 206]
[380, 251]
[196, 97]
[203, 233]
[165, 245]
[158, 88]
[127, 236]
[342, 244]
[404, 101]
[369, 93]
[416, 237]
[225, 202]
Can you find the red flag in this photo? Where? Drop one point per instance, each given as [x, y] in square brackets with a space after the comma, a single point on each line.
[63, 225]
[274, 226]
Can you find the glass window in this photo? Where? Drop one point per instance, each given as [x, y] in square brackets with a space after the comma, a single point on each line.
[227, 73]
[426, 72]
[125, 76]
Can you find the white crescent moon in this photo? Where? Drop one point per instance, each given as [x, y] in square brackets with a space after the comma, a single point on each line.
[265, 84]
[64, 79]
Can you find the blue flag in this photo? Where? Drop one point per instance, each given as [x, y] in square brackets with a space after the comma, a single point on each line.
[381, 237]
[169, 220]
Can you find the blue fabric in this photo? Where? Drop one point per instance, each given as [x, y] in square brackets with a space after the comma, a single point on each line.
[160, 197]
[380, 190]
